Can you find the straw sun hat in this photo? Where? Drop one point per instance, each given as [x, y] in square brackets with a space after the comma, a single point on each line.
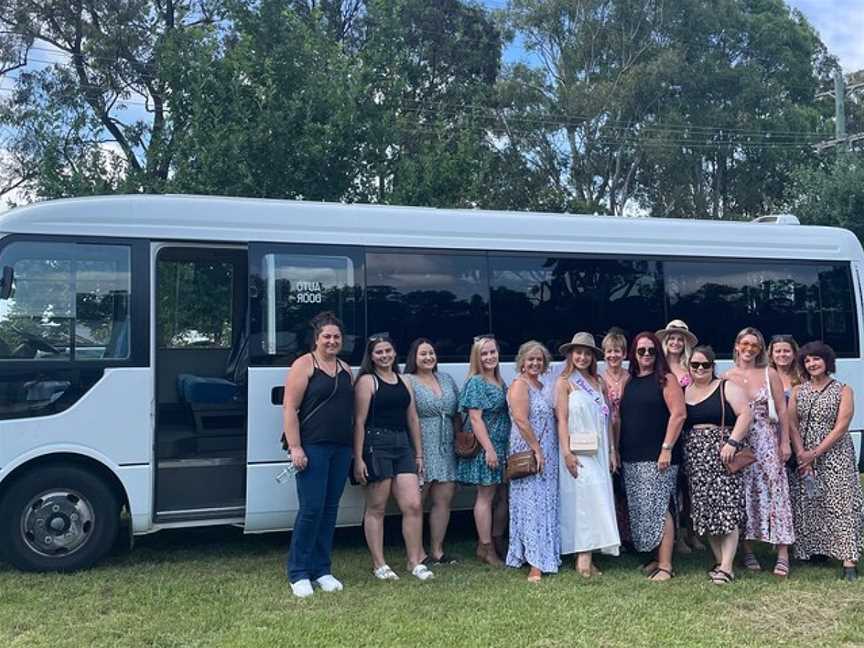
[680, 327]
[581, 339]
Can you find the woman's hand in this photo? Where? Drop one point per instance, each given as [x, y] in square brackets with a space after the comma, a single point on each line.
[491, 459]
[361, 474]
[664, 460]
[299, 458]
[785, 451]
[806, 457]
[572, 463]
[541, 460]
[421, 467]
[727, 453]
[614, 462]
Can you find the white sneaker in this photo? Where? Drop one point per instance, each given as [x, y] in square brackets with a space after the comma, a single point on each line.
[422, 572]
[328, 583]
[385, 573]
[302, 588]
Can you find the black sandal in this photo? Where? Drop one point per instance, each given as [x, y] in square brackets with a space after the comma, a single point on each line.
[721, 577]
[644, 567]
[660, 570]
[713, 569]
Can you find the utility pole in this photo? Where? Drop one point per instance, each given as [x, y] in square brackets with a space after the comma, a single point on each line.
[839, 105]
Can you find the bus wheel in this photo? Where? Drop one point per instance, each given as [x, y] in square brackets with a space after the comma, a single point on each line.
[58, 518]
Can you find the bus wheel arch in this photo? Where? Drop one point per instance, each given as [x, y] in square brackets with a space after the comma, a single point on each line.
[59, 512]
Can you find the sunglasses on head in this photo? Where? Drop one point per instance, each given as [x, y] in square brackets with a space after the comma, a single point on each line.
[379, 337]
[782, 337]
[701, 365]
[641, 351]
[485, 336]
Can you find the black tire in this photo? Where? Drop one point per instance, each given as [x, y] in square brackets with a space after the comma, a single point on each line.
[73, 496]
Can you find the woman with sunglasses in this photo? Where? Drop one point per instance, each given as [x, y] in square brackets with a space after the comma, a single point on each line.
[766, 486]
[783, 358]
[652, 414]
[718, 418]
[534, 535]
[437, 399]
[588, 522]
[484, 398]
[829, 508]
[388, 455]
[317, 409]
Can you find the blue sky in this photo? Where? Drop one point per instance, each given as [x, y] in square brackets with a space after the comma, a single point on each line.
[840, 23]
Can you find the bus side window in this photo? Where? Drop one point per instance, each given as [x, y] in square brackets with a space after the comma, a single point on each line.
[69, 302]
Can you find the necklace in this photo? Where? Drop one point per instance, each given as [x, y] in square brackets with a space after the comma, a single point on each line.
[331, 368]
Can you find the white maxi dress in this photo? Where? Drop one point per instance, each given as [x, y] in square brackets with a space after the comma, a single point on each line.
[588, 521]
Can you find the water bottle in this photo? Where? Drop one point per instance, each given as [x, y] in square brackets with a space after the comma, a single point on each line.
[286, 473]
[811, 487]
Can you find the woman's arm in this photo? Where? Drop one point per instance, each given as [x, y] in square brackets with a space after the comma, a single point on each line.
[776, 385]
[674, 397]
[414, 428]
[562, 414]
[362, 398]
[743, 419]
[296, 383]
[520, 405]
[841, 425]
[792, 417]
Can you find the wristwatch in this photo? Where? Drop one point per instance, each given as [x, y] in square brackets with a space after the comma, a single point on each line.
[666, 446]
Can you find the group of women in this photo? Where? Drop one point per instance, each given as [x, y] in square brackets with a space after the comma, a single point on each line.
[762, 454]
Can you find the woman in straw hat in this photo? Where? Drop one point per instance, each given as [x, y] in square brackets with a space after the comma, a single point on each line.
[588, 521]
[652, 414]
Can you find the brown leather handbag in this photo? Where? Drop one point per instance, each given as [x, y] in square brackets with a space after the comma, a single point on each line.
[743, 457]
[465, 443]
[521, 465]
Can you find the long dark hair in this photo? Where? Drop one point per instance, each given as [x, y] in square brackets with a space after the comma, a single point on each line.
[661, 367]
[322, 319]
[411, 359]
[366, 365]
[707, 351]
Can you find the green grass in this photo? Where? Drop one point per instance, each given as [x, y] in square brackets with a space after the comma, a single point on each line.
[217, 588]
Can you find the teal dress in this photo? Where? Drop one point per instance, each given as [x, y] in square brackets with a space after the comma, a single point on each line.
[492, 399]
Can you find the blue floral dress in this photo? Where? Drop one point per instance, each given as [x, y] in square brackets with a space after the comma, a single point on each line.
[479, 394]
[436, 426]
[535, 535]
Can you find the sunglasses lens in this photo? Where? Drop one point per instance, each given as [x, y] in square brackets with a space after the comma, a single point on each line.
[646, 351]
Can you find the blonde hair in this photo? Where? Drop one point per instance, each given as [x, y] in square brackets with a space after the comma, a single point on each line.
[569, 367]
[527, 349]
[475, 368]
[685, 355]
[762, 358]
[615, 339]
[794, 369]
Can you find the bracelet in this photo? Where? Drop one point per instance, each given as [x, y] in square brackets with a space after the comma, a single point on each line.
[735, 444]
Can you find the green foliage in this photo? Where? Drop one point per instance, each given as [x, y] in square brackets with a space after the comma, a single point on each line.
[832, 193]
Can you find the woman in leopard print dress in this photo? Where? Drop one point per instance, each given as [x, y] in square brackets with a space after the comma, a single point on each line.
[829, 507]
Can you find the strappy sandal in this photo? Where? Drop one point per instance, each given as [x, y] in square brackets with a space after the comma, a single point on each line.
[385, 573]
[750, 563]
[422, 572]
[721, 577]
[661, 570]
[712, 569]
[648, 567]
[781, 568]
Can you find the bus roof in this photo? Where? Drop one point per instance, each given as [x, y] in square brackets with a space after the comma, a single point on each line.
[244, 220]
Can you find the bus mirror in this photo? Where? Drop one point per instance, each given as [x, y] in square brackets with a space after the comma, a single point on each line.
[6, 282]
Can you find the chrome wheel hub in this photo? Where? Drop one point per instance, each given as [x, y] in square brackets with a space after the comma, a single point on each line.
[57, 522]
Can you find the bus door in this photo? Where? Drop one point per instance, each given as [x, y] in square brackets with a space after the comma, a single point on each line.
[200, 360]
[288, 285]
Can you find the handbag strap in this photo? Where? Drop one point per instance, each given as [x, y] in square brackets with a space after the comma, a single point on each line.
[722, 404]
[812, 403]
[318, 407]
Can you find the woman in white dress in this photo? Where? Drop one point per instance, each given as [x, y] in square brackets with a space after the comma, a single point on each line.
[588, 521]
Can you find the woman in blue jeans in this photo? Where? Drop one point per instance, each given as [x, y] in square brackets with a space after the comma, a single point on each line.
[318, 413]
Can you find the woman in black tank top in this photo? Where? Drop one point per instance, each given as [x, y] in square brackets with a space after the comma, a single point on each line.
[718, 418]
[317, 429]
[388, 455]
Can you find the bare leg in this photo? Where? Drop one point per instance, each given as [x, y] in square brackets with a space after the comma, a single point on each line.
[716, 543]
[664, 552]
[441, 494]
[483, 513]
[728, 545]
[502, 510]
[407, 491]
[583, 563]
[377, 494]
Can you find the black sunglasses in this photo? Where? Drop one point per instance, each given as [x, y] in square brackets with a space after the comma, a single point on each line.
[701, 365]
[641, 351]
[380, 337]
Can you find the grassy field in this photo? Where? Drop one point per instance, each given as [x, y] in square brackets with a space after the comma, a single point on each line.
[218, 588]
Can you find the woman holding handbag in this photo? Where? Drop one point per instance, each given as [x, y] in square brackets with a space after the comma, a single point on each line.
[484, 398]
[534, 533]
[437, 398]
[766, 486]
[829, 508]
[317, 411]
[588, 520]
[652, 414]
[718, 418]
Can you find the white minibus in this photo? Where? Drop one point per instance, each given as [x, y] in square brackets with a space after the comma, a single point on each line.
[144, 340]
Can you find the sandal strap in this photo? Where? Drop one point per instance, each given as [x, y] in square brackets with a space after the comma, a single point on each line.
[659, 570]
[723, 575]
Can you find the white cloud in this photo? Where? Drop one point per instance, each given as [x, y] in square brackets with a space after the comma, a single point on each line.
[840, 23]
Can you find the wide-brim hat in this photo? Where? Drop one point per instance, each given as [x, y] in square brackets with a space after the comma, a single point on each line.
[581, 339]
[680, 327]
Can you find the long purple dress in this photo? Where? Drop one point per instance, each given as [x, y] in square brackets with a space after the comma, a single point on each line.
[766, 488]
[534, 530]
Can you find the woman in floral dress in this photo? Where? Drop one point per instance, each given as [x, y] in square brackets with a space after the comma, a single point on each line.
[534, 533]
[484, 398]
[436, 397]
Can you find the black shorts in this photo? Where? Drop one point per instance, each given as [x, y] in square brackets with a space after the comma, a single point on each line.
[388, 453]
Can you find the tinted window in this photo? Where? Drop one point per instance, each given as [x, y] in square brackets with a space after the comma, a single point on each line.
[194, 303]
[291, 285]
[69, 301]
[550, 299]
[440, 296]
[719, 298]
